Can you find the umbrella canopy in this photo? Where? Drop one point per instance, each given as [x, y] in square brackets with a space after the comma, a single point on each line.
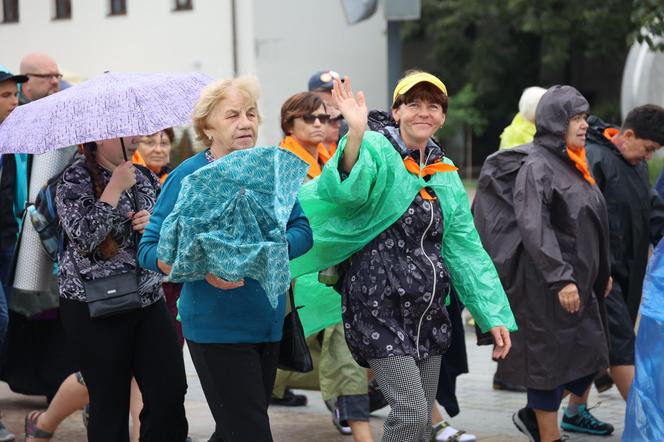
[111, 105]
[230, 220]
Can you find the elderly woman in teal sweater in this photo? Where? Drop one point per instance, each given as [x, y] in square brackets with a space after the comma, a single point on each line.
[232, 330]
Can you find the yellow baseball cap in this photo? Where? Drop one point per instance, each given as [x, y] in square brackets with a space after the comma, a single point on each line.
[407, 83]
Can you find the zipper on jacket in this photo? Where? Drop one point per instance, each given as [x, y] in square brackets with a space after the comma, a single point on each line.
[433, 268]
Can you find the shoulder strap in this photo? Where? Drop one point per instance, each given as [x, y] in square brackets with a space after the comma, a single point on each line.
[148, 173]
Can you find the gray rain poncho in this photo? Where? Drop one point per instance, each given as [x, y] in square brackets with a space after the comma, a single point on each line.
[545, 226]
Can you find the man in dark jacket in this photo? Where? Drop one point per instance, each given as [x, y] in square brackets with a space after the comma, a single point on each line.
[547, 231]
[636, 221]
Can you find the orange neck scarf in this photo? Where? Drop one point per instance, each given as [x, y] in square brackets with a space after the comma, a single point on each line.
[289, 143]
[415, 169]
[610, 132]
[581, 163]
[325, 154]
[138, 159]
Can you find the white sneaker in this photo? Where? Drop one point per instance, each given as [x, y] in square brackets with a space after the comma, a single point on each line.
[444, 432]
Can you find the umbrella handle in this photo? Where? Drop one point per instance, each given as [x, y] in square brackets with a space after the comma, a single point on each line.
[133, 188]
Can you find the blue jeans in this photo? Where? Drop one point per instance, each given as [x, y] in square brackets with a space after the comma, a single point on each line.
[5, 291]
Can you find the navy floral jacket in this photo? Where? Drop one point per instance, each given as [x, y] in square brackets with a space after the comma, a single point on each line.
[87, 221]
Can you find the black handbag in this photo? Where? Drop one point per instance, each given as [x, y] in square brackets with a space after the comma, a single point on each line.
[293, 351]
[113, 294]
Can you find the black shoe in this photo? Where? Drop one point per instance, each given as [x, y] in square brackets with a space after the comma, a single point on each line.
[290, 399]
[584, 422]
[376, 398]
[526, 422]
[500, 385]
[603, 382]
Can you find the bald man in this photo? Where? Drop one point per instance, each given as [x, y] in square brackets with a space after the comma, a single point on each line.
[43, 77]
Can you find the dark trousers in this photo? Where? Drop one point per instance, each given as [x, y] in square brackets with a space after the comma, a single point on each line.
[142, 343]
[237, 381]
[5, 291]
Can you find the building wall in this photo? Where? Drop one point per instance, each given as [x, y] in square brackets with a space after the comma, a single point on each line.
[149, 38]
[293, 38]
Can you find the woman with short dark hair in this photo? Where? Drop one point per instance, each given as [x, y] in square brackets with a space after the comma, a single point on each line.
[304, 119]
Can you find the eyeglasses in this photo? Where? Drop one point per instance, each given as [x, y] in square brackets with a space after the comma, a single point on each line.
[311, 119]
[57, 76]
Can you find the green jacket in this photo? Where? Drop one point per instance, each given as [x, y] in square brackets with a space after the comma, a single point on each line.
[346, 215]
[520, 131]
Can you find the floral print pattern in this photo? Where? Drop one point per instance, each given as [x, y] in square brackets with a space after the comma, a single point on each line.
[86, 222]
[390, 306]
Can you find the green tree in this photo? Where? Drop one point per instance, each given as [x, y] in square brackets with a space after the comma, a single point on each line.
[499, 48]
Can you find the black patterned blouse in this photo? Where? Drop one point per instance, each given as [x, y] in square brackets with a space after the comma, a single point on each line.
[395, 287]
[87, 221]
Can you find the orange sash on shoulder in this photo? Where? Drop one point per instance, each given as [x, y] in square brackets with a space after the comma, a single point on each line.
[289, 143]
[439, 166]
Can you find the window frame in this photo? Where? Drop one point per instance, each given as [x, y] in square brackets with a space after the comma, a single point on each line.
[12, 6]
[120, 11]
[183, 5]
[63, 6]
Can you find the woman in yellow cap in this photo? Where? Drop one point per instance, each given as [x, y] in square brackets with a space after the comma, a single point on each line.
[392, 208]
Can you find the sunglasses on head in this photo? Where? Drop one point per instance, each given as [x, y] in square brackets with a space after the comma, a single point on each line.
[311, 119]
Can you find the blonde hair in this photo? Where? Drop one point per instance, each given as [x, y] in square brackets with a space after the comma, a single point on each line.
[215, 93]
[528, 102]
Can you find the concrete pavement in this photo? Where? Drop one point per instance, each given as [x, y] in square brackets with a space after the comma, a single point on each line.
[484, 412]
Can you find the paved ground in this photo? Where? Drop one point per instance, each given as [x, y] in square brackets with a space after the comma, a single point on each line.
[485, 412]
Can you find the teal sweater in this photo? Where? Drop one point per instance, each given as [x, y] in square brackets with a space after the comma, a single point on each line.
[211, 315]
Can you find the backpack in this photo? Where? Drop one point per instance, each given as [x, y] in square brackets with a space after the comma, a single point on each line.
[493, 213]
[44, 215]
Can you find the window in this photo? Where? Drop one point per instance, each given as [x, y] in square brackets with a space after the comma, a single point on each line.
[183, 5]
[62, 9]
[10, 11]
[118, 7]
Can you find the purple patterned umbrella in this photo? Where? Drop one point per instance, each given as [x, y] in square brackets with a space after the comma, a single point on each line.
[108, 106]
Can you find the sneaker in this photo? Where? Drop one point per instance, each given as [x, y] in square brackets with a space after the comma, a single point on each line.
[444, 432]
[6, 435]
[290, 399]
[341, 425]
[584, 422]
[526, 422]
[376, 398]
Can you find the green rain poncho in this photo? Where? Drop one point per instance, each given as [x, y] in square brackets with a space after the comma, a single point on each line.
[346, 215]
